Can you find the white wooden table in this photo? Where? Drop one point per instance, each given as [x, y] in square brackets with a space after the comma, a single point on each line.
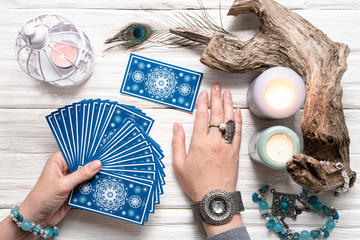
[26, 141]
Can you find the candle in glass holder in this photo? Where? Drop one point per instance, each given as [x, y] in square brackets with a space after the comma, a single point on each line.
[63, 54]
[277, 93]
[274, 146]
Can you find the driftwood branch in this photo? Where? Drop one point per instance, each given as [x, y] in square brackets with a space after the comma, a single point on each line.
[287, 39]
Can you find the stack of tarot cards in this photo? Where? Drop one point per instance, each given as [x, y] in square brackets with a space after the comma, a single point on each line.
[131, 178]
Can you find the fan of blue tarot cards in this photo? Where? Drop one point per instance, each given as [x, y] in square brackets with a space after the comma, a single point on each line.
[132, 174]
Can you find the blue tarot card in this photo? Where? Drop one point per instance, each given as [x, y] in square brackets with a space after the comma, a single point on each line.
[136, 166]
[161, 82]
[60, 140]
[114, 196]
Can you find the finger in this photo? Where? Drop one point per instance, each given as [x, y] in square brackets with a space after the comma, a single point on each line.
[202, 115]
[58, 157]
[228, 106]
[217, 112]
[81, 175]
[178, 147]
[238, 126]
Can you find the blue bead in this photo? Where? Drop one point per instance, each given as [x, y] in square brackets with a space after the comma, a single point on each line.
[265, 215]
[284, 204]
[20, 218]
[26, 225]
[302, 195]
[305, 190]
[263, 205]
[278, 227]
[271, 217]
[270, 224]
[313, 199]
[326, 210]
[49, 232]
[283, 235]
[265, 188]
[15, 211]
[336, 216]
[277, 203]
[15, 208]
[318, 206]
[326, 233]
[296, 236]
[290, 205]
[330, 224]
[255, 197]
[314, 234]
[305, 235]
[55, 233]
[283, 211]
[285, 197]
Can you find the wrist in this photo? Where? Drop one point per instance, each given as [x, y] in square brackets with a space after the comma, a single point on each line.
[10, 231]
[219, 211]
[30, 227]
[212, 230]
[30, 211]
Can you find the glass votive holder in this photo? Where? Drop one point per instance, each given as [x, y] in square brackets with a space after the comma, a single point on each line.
[274, 146]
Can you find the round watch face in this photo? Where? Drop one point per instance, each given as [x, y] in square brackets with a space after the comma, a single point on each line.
[216, 207]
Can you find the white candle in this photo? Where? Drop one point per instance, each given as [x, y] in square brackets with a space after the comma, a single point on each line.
[277, 93]
[274, 146]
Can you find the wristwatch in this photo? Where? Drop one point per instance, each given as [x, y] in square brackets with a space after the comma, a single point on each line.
[217, 207]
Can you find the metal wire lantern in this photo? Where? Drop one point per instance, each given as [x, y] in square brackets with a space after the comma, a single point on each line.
[53, 49]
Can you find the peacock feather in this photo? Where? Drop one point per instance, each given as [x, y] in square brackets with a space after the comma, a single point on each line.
[131, 36]
[167, 31]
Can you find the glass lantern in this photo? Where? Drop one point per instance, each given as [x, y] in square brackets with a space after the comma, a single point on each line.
[53, 49]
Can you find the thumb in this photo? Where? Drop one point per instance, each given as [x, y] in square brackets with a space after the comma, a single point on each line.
[178, 146]
[83, 174]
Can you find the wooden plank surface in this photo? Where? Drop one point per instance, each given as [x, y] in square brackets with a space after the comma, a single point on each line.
[26, 141]
[170, 4]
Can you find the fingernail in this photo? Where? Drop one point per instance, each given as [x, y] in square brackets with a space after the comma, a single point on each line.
[217, 87]
[238, 112]
[228, 94]
[95, 165]
[204, 94]
[175, 128]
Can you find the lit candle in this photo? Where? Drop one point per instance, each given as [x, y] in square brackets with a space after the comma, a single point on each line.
[274, 146]
[277, 93]
[63, 55]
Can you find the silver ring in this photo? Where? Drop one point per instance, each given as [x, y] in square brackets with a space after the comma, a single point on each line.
[227, 129]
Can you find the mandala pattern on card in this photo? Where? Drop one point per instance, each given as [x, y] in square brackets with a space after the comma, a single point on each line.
[184, 89]
[138, 76]
[110, 194]
[135, 201]
[85, 188]
[161, 83]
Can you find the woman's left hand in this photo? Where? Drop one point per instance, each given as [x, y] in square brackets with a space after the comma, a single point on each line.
[46, 203]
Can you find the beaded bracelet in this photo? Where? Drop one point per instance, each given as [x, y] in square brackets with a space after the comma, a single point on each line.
[32, 227]
[284, 206]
